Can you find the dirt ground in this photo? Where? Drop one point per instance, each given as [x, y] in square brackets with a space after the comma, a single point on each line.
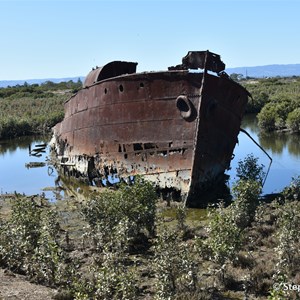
[15, 287]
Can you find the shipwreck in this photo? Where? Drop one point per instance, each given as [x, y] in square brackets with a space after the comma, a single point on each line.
[176, 128]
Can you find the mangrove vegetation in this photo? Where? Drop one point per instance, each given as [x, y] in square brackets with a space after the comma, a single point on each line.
[124, 242]
[33, 109]
[276, 101]
[128, 244]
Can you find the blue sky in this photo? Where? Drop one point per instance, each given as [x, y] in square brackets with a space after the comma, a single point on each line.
[66, 38]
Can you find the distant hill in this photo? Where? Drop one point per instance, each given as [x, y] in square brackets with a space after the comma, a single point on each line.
[6, 83]
[267, 71]
[259, 71]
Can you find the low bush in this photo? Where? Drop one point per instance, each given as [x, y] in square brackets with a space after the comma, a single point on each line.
[173, 266]
[246, 199]
[131, 205]
[29, 242]
[292, 192]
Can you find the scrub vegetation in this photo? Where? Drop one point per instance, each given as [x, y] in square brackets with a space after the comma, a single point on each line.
[125, 243]
[33, 109]
[128, 244]
[276, 101]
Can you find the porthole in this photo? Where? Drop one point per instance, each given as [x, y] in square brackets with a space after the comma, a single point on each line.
[184, 106]
[121, 88]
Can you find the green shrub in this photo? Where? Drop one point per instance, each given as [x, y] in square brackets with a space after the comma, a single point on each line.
[293, 120]
[248, 169]
[173, 266]
[131, 205]
[113, 279]
[292, 192]
[287, 250]
[267, 117]
[47, 262]
[20, 235]
[288, 235]
[224, 240]
[29, 241]
[246, 199]
[273, 116]
[247, 189]
[257, 102]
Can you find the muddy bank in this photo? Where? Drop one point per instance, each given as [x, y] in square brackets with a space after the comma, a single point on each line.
[16, 287]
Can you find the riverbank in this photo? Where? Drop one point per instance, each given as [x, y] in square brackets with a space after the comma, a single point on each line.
[276, 101]
[88, 250]
[15, 286]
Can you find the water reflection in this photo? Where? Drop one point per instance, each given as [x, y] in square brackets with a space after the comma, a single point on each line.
[284, 148]
[250, 123]
[294, 145]
[277, 143]
[10, 146]
[23, 172]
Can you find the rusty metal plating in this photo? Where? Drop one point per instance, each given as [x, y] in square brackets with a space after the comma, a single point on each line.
[176, 128]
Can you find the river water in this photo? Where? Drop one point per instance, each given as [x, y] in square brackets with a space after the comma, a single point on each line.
[15, 173]
[16, 177]
[284, 149]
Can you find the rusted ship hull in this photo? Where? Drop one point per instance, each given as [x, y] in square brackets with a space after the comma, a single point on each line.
[176, 128]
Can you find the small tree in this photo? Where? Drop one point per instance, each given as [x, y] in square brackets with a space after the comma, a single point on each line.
[248, 169]
[246, 199]
[247, 189]
[236, 76]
